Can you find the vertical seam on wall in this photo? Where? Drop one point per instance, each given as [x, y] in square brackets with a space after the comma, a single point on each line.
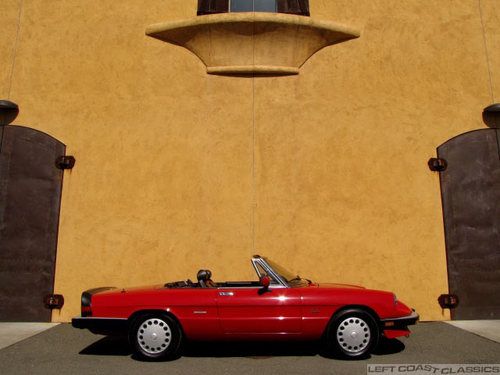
[14, 48]
[486, 51]
[254, 198]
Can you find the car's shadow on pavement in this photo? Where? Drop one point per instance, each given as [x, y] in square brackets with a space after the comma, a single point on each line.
[109, 345]
[119, 346]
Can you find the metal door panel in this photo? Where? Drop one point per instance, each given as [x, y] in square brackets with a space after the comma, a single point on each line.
[470, 188]
[30, 190]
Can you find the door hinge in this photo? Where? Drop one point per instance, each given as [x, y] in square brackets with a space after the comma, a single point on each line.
[437, 164]
[65, 162]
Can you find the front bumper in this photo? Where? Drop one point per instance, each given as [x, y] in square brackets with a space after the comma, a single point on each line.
[102, 326]
[397, 327]
[401, 322]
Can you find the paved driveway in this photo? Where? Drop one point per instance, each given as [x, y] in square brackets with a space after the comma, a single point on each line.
[64, 350]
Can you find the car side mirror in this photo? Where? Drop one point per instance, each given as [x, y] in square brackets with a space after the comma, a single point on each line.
[264, 282]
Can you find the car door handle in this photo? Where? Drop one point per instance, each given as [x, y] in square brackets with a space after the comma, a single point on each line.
[226, 294]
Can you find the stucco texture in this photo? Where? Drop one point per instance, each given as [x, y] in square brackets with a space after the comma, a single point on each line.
[9, 21]
[491, 19]
[325, 172]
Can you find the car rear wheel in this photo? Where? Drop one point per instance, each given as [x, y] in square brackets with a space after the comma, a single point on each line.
[353, 333]
[155, 337]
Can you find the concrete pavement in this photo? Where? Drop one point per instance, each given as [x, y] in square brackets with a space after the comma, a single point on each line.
[10, 333]
[485, 328]
[64, 350]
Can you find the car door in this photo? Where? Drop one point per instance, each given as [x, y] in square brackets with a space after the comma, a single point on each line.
[244, 312]
[196, 309]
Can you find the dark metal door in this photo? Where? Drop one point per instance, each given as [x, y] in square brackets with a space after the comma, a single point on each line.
[470, 188]
[30, 193]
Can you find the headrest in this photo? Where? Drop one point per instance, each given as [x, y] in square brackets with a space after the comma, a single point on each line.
[204, 275]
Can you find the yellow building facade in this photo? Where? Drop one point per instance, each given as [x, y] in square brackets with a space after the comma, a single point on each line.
[324, 171]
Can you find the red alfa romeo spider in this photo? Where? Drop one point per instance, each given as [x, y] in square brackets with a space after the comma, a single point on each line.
[280, 306]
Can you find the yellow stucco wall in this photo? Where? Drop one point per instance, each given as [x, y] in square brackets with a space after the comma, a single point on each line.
[179, 170]
[491, 19]
[9, 20]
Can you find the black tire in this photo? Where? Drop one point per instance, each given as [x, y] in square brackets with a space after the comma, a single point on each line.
[155, 337]
[352, 333]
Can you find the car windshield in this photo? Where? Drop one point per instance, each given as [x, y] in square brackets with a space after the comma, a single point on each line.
[283, 272]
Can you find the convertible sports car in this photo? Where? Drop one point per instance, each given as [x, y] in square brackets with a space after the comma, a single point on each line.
[280, 306]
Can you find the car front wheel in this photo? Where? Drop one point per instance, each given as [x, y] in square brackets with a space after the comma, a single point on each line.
[155, 337]
[353, 333]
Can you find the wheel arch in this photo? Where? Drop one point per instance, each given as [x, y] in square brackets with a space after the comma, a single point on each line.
[136, 314]
[340, 310]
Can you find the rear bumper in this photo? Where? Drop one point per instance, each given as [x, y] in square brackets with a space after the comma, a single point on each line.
[102, 326]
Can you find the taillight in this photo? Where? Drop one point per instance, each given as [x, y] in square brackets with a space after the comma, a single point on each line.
[87, 299]
[86, 311]
[86, 302]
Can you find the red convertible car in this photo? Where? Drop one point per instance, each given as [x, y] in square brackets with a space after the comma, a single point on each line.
[280, 306]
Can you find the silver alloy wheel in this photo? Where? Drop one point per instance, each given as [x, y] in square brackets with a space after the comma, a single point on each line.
[353, 335]
[154, 336]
